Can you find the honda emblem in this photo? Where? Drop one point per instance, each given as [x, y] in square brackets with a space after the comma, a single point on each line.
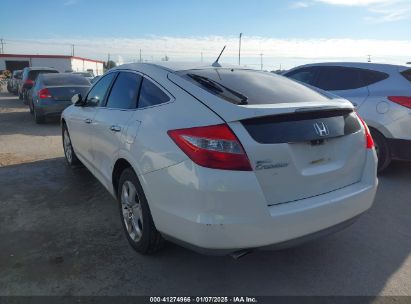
[321, 129]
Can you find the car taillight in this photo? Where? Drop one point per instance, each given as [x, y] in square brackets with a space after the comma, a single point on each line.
[368, 138]
[401, 100]
[213, 147]
[29, 82]
[44, 93]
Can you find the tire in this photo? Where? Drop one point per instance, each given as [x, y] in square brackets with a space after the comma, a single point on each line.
[382, 149]
[69, 154]
[25, 99]
[31, 106]
[38, 118]
[135, 215]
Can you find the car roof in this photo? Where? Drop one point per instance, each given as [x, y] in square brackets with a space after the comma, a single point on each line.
[171, 66]
[51, 75]
[363, 65]
[40, 69]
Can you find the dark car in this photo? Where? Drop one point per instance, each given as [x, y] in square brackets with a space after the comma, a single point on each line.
[12, 84]
[52, 93]
[27, 81]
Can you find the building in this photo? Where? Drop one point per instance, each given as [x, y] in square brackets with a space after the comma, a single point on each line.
[61, 63]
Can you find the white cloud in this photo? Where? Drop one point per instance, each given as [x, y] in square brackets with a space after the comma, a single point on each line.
[290, 52]
[300, 4]
[380, 10]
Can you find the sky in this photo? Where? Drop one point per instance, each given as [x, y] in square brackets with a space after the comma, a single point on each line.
[280, 33]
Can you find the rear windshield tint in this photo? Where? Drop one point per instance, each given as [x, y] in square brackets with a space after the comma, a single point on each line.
[33, 74]
[61, 79]
[250, 87]
[407, 74]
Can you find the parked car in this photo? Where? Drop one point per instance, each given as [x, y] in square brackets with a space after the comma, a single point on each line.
[52, 93]
[380, 92]
[221, 160]
[86, 75]
[95, 79]
[12, 84]
[28, 77]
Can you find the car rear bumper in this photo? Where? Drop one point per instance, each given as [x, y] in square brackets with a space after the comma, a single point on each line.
[400, 148]
[53, 108]
[225, 211]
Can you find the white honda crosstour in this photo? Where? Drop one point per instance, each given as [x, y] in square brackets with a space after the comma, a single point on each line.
[221, 159]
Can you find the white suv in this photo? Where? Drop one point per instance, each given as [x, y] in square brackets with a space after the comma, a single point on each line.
[382, 95]
[221, 159]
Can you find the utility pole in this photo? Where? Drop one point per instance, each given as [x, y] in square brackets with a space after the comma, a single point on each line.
[239, 49]
[141, 60]
[261, 60]
[72, 50]
[369, 58]
[2, 46]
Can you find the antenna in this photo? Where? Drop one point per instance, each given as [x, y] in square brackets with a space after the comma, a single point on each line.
[216, 64]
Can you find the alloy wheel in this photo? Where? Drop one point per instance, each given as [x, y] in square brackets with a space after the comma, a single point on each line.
[131, 210]
[68, 150]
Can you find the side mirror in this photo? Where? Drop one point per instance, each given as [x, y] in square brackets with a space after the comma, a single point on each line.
[77, 100]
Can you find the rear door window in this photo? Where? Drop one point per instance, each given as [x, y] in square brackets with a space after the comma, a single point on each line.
[151, 95]
[97, 94]
[370, 77]
[124, 92]
[333, 78]
[407, 75]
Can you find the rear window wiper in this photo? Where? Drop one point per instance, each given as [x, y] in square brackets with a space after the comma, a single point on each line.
[218, 87]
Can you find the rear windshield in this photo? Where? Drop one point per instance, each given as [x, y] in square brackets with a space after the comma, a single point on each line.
[33, 74]
[64, 79]
[407, 74]
[83, 74]
[251, 87]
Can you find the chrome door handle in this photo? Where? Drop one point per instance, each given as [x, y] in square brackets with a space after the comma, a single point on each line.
[115, 128]
[88, 121]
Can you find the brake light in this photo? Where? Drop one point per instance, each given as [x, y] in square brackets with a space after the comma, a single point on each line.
[214, 147]
[401, 100]
[29, 82]
[368, 138]
[44, 93]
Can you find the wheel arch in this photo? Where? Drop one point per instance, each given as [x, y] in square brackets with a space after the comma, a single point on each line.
[120, 165]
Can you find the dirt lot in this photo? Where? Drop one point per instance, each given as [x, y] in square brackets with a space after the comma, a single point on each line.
[60, 234]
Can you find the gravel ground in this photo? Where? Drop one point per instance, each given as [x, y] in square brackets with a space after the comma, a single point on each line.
[60, 234]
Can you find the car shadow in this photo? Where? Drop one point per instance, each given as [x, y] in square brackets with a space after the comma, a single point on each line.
[61, 235]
